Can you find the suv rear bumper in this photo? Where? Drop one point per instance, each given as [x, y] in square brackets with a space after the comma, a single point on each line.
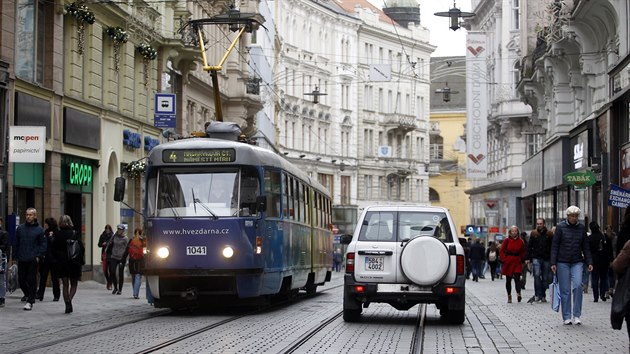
[451, 295]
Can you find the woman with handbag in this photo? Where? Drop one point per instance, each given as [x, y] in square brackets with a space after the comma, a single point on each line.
[512, 255]
[620, 267]
[68, 270]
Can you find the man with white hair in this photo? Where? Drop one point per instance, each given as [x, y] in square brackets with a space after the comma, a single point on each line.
[569, 247]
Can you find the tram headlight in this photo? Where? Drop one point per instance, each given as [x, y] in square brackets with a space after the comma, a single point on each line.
[228, 252]
[163, 252]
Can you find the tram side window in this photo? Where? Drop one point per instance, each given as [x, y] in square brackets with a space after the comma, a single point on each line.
[319, 210]
[302, 200]
[273, 188]
[307, 204]
[249, 191]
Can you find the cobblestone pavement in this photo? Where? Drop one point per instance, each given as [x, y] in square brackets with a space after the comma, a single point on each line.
[494, 326]
[491, 326]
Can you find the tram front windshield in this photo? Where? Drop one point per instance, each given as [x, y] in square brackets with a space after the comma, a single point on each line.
[218, 193]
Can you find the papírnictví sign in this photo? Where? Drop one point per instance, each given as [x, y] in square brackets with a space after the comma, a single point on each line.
[618, 197]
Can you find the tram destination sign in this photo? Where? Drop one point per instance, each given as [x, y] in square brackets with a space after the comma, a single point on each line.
[198, 156]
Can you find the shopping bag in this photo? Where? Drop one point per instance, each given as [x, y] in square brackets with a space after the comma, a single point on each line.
[554, 291]
[620, 301]
[12, 278]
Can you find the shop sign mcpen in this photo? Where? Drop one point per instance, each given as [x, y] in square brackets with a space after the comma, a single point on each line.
[27, 144]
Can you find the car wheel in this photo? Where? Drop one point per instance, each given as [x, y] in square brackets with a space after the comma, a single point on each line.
[456, 316]
[351, 315]
[425, 260]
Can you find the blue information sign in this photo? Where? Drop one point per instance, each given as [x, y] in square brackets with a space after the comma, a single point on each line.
[165, 108]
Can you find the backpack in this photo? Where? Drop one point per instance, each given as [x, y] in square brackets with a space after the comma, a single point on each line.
[75, 251]
[492, 256]
[135, 250]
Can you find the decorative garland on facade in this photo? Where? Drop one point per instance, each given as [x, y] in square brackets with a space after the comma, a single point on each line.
[135, 169]
[83, 15]
[119, 36]
[148, 53]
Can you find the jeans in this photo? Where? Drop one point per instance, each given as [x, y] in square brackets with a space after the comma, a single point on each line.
[600, 281]
[117, 278]
[150, 297]
[476, 268]
[3, 278]
[27, 277]
[542, 276]
[570, 280]
[136, 279]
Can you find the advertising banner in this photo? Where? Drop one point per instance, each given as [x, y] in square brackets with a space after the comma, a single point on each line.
[618, 197]
[27, 144]
[476, 106]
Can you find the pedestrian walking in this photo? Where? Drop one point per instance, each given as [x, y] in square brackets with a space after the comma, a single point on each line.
[620, 267]
[569, 250]
[512, 254]
[30, 248]
[624, 231]
[119, 251]
[103, 241]
[612, 238]
[47, 265]
[136, 261]
[67, 269]
[602, 253]
[524, 266]
[337, 260]
[538, 257]
[477, 255]
[492, 257]
[466, 245]
[5, 256]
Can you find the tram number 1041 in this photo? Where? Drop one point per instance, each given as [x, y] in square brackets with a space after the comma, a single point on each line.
[196, 250]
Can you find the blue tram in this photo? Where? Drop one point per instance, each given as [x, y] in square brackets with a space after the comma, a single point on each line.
[228, 220]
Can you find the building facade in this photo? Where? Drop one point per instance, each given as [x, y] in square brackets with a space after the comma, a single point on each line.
[493, 68]
[88, 73]
[575, 64]
[447, 172]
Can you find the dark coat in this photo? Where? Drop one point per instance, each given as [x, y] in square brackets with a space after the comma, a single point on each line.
[30, 242]
[62, 266]
[601, 249]
[539, 245]
[512, 255]
[621, 263]
[103, 240]
[477, 252]
[570, 244]
[5, 246]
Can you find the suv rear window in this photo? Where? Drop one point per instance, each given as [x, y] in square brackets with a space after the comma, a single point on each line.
[405, 225]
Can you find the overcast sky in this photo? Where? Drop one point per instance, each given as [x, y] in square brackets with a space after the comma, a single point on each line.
[448, 42]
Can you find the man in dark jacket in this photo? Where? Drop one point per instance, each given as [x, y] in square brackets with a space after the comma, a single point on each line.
[538, 256]
[477, 255]
[602, 253]
[30, 248]
[569, 247]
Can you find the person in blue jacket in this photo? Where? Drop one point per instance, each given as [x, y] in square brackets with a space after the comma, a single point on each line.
[570, 249]
[30, 249]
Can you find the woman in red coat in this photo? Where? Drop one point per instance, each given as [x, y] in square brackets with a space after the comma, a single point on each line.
[512, 255]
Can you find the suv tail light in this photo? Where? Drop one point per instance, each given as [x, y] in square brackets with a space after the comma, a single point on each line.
[460, 265]
[350, 262]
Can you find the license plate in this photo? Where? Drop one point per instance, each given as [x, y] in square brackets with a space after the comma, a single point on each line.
[196, 250]
[375, 263]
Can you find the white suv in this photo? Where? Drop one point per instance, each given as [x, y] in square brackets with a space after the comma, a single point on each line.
[405, 255]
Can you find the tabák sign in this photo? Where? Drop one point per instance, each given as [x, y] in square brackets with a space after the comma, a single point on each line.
[580, 179]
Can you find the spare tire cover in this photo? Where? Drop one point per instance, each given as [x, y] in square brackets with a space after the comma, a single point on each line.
[425, 260]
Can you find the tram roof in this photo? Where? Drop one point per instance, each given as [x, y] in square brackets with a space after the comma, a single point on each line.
[246, 154]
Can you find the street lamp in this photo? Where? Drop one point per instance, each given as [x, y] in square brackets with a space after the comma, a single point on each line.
[446, 93]
[454, 14]
[315, 95]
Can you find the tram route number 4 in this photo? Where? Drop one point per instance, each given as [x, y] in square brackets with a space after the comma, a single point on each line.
[196, 250]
